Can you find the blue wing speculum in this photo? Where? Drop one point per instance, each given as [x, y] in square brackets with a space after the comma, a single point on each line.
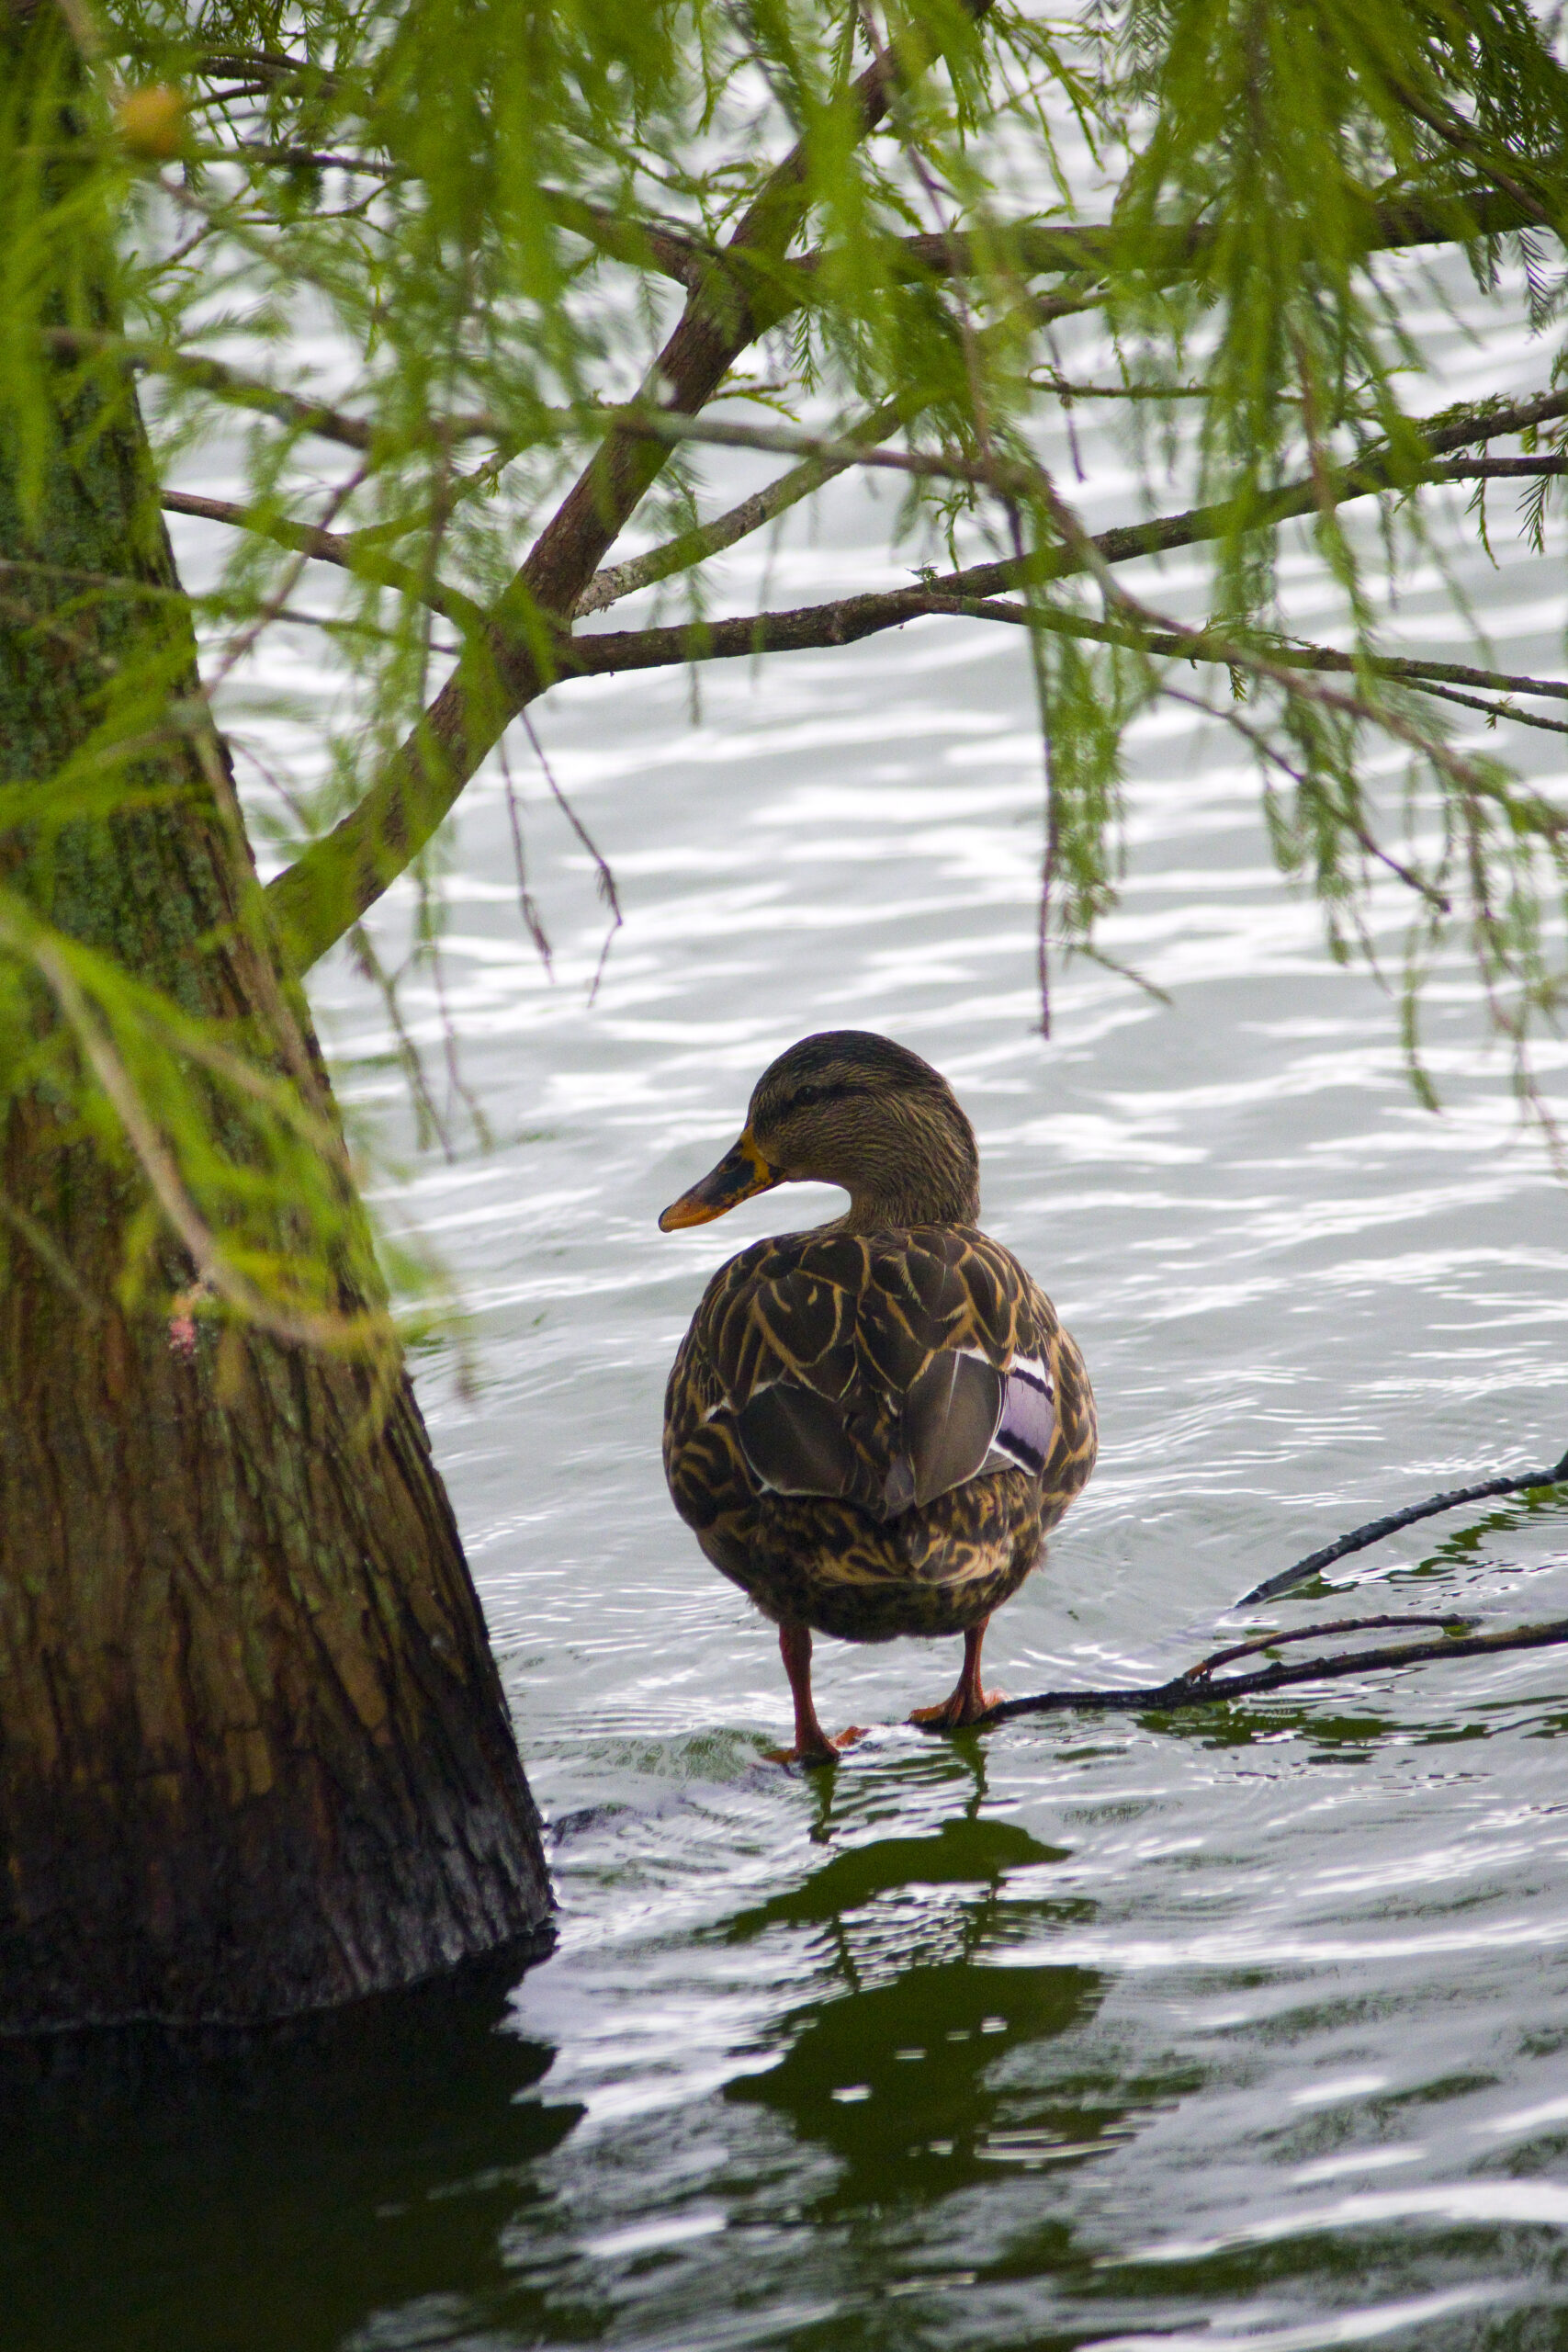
[1028, 1424]
[961, 1418]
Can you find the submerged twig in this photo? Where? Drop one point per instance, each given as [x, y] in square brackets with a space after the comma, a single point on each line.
[1449, 1622]
[1509, 1483]
[1198, 1688]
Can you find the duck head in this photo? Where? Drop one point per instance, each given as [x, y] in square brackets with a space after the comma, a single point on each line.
[848, 1107]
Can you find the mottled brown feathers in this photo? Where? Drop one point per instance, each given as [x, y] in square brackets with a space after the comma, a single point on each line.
[832, 1427]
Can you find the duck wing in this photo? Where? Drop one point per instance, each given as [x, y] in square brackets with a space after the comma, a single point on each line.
[881, 1369]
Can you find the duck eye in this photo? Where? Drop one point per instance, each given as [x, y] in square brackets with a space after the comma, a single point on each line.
[828, 1090]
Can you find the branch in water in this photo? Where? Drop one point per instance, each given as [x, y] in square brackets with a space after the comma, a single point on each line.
[1198, 1688]
[1509, 1483]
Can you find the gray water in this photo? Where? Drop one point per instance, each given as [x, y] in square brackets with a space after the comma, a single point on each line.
[1249, 2026]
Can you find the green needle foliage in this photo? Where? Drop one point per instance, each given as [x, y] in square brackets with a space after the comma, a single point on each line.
[464, 287]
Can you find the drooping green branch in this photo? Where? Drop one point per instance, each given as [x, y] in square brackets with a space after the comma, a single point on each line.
[332, 882]
[492, 279]
[61, 962]
[739, 289]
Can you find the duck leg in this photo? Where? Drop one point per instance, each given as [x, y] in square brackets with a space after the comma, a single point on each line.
[967, 1699]
[812, 1745]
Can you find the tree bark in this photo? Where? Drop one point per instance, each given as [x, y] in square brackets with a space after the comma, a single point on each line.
[255, 1755]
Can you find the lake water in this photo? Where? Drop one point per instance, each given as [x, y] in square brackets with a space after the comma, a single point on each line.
[1248, 2027]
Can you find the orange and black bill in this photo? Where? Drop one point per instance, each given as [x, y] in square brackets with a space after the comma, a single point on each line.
[741, 1172]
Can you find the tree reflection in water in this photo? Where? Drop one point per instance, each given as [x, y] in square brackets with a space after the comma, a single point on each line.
[165, 2193]
[887, 2124]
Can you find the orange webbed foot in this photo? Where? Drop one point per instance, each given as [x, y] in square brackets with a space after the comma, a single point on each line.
[960, 1707]
[828, 1753]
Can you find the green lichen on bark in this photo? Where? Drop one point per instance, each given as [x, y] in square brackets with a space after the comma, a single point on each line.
[255, 1757]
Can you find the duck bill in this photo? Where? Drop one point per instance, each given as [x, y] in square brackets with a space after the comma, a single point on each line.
[741, 1172]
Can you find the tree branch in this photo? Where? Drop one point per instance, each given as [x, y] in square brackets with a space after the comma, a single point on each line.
[1006, 479]
[851, 619]
[1026, 249]
[1497, 468]
[830, 457]
[1094, 248]
[1458, 135]
[299, 159]
[782, 440]
[643, 244]
[1496, 710]
[228, 384]
[1197, 1686]
[238, 389]
[751, 514]
[1409, 218]
[765, 505]
[1411, 670]
[329, 546]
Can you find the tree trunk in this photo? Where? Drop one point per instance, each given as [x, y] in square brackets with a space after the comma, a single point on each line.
[255, 1756]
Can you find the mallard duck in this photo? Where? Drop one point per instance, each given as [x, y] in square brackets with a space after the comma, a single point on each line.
[871, 1427]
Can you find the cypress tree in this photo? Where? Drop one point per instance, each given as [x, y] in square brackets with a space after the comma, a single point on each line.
[254, 1756]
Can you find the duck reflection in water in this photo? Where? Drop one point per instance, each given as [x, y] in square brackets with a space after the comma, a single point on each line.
[903, 2063]
[873, 1426]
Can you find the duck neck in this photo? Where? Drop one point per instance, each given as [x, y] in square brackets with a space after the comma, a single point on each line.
[919, 1183]
[880, 1214]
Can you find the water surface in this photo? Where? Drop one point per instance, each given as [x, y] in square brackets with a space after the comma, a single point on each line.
[1242, 2027]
